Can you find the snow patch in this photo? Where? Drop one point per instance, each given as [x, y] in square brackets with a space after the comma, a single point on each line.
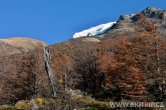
[100, 29]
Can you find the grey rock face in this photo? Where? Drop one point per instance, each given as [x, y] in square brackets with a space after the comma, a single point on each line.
[153, 12]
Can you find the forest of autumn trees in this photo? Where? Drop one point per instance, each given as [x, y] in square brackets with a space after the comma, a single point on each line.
[128, 67]
[135, 66]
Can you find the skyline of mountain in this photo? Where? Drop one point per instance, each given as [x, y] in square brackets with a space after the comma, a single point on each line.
[55, 21]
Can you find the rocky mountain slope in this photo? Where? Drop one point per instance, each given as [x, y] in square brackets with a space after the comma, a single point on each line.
[19, 45]
[126, 62]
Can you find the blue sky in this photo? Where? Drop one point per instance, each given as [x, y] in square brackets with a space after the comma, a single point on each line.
[54, 21]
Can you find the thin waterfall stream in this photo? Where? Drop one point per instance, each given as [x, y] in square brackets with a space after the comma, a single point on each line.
[50, 73]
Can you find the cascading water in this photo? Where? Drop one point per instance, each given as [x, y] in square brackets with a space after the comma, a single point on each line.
[50, 72]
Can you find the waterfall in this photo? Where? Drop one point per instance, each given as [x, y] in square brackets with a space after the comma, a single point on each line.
[50, 73]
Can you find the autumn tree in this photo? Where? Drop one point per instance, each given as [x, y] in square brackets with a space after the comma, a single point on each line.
[86, 67]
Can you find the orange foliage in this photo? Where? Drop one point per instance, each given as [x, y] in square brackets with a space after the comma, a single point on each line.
[129, 61]
[61, 65]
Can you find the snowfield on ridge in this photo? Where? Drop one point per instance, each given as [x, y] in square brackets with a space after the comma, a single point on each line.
[97, 30]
